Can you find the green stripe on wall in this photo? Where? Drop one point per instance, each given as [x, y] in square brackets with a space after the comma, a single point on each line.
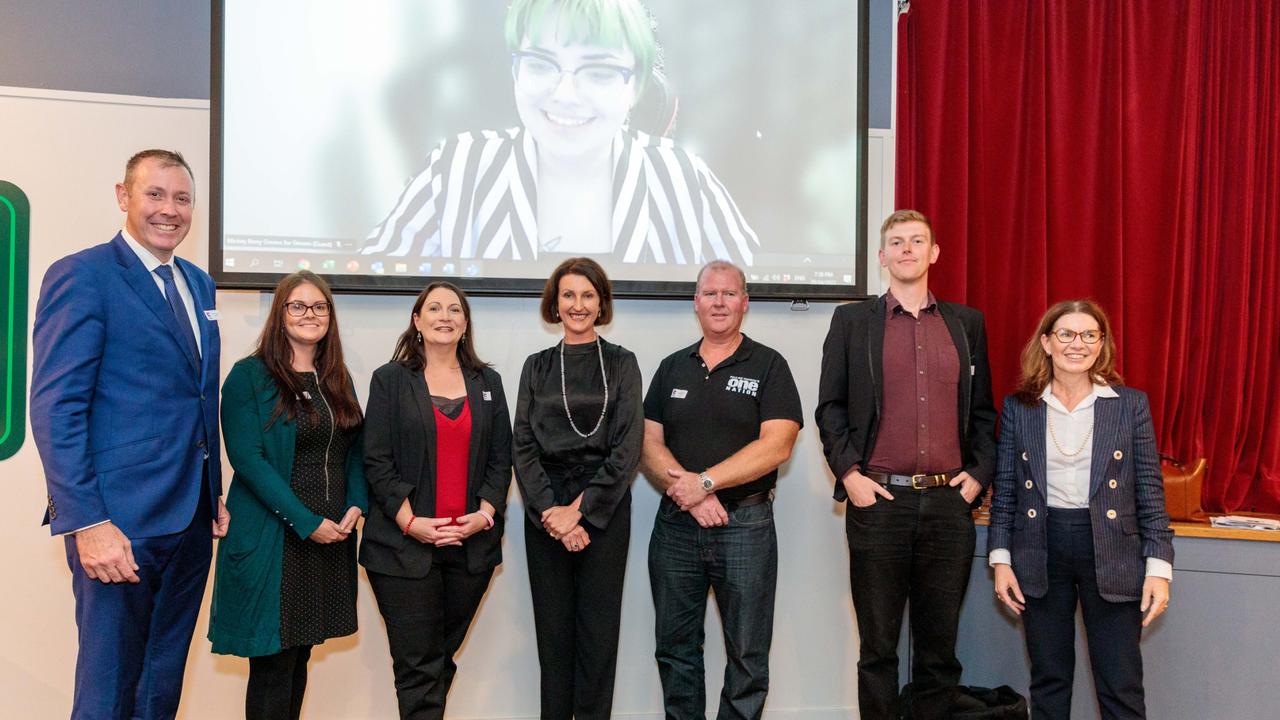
[15, 226]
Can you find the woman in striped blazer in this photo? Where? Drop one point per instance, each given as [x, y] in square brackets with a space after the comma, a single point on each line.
[574, 179]
[1078, 514]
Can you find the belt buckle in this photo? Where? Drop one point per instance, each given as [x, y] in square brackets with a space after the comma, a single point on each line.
[915, 482]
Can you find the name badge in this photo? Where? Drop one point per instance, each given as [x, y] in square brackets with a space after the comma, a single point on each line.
[211, 315]
[487, 395]
[679, 394]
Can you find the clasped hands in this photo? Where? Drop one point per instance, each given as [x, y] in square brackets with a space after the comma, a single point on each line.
[687, 492]
[564, 523]
[443, 532]
[332, 532]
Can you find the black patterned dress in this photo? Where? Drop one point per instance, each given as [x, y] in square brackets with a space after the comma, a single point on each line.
[318, 582]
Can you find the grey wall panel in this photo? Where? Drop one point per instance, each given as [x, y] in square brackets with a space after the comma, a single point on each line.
[160, 48]
[884, 22]
[153, 48]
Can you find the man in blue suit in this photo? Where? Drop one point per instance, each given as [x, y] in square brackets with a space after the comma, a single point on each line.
[124, 403]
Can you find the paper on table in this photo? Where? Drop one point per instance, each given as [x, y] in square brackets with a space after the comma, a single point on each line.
[1248, 523]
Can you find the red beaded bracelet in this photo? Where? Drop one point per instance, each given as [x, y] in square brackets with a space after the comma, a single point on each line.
[409, 524]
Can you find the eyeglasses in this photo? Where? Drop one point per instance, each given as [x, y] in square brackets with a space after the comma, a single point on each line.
[298, 309]
[537, 74]
[1089, 337]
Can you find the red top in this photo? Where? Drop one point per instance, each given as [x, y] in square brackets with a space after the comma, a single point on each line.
[920, 425]
[453, 449]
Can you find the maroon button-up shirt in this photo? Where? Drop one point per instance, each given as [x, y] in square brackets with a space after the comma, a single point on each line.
[919, 423]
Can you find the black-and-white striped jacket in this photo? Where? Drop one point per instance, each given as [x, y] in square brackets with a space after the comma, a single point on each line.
[477, 198]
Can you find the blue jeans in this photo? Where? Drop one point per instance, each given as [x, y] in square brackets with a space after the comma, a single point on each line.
[740, 562]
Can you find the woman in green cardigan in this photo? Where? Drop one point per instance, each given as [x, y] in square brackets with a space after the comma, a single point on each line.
[286, 573]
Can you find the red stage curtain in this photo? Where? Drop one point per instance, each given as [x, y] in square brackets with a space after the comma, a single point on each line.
[1126, 150]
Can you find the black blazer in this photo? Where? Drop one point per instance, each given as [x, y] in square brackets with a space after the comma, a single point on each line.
[1126, 495]
[852, 385]
[399, 441]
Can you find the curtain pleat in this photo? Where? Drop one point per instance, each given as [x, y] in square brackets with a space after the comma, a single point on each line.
[1127, 151]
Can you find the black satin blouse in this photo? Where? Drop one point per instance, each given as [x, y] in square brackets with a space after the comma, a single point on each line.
[554, 464]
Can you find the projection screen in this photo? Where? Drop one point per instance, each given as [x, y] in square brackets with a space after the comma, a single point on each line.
[484, 141]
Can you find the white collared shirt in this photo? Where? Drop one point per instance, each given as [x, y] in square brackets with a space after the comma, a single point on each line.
[1067, 477]
[151, 262]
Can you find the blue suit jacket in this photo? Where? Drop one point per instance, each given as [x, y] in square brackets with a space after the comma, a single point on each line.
[124, 416]
[1126, 495]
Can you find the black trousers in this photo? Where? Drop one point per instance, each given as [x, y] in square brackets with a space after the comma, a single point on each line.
[917, 547]
[1113, 629]
[577, 609]
[427, 619]
[277, 684]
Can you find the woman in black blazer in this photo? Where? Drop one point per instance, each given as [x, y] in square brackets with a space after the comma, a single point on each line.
[438, 462]
[578, 431]
[1078, 514]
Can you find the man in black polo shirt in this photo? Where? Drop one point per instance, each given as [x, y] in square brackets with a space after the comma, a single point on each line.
[720, 416]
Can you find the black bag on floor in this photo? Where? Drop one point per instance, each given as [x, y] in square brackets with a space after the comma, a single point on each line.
[975, 703]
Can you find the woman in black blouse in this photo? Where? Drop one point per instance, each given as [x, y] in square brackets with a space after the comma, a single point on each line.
[437, 456]
[577, 438]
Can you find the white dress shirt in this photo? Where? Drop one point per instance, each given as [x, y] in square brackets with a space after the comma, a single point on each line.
[1067, 476]
[151, 262]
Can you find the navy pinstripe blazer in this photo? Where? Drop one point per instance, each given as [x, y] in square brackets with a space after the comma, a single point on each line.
[1126, 495]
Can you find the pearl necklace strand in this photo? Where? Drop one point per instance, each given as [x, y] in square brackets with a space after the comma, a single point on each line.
[564, 395]
[1054, 436]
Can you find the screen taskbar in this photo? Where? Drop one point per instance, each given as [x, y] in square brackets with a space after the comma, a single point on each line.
[258, 262]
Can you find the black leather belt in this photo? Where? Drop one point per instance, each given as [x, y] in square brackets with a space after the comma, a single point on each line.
[922, 481]
[748, 501]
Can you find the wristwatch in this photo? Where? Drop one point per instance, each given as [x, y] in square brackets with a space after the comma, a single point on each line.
[708, 485]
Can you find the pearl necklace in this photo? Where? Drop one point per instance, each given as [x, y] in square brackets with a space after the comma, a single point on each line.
[564, 395]
[1054, 436]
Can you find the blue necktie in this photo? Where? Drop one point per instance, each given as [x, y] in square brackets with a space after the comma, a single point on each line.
[179, 310]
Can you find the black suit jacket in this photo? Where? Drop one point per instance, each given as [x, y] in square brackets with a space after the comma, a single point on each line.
[399, 463]
[1126, 495]
[852, 384]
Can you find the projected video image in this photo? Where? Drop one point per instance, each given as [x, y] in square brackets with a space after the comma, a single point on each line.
[487, 140]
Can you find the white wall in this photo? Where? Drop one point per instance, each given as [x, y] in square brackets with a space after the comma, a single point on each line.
[66, 150]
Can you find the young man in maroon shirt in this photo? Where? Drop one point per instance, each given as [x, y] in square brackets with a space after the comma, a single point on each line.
[908, 427]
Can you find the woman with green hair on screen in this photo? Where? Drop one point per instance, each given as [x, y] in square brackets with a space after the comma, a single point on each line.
[574, 178]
